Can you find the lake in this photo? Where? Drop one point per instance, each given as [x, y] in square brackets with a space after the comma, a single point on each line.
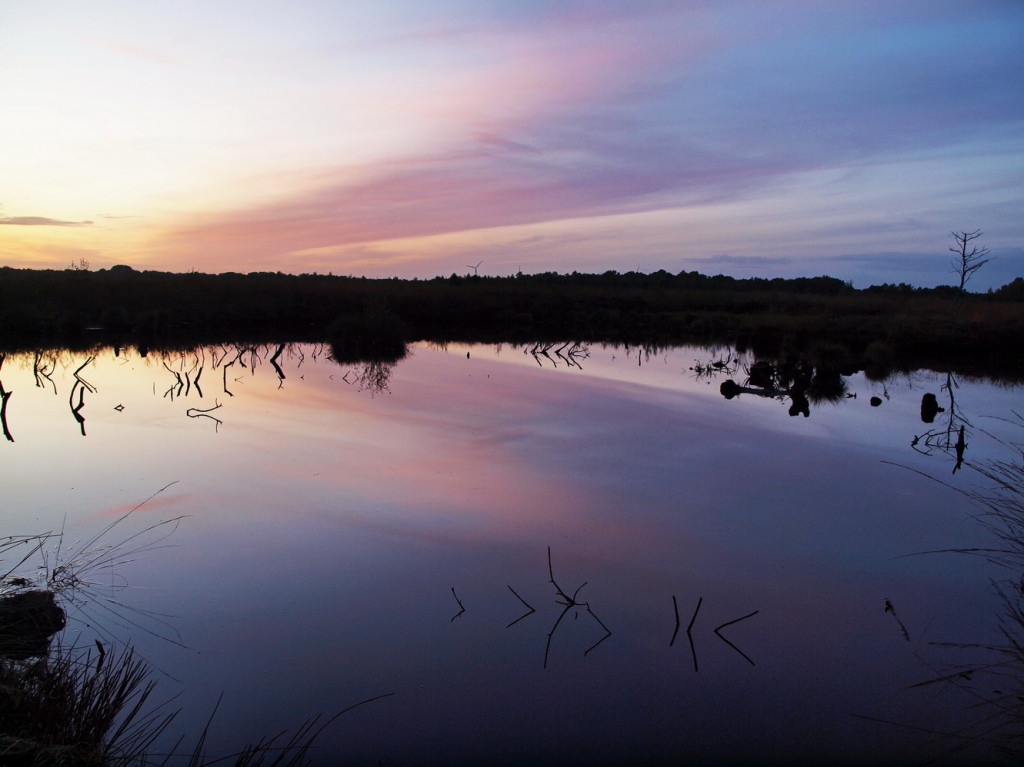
[559, 555]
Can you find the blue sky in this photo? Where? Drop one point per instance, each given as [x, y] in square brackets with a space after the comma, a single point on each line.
[410, 139]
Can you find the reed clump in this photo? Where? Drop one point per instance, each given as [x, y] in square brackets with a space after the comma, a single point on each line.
[73, 707]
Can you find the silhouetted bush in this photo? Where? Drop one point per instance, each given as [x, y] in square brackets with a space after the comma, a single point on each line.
[374, 334]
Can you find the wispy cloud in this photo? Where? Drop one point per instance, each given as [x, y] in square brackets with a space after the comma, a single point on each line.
[595, 112]
[758, 262]
[344, 136]
[40, 221]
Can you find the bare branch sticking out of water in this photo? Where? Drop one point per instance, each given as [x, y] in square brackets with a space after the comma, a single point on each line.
[43, 371]
[689, 628]
[225, 371]
[462, 607]
[689, 632]
[277, 368]
[78, 375]
[607, 631]
[195, 412]
[903, 629]
[4, 396]
[175, 388]
[76, 410]
[729, 623]
[525, 603]
[675, 609]
[569, 602]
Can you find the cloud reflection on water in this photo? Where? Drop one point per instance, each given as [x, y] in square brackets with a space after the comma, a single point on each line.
[328, 527]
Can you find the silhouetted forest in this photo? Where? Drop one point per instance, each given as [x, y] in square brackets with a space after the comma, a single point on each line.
[885, 326]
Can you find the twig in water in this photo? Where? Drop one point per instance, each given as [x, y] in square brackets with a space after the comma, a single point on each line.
[903, 629]
[729, 623]
[675, 608]
[524, 615]
[462, 608]
[277, 368]
[607, 631]
[76, 410]
[92, 389]
[4, 396]
[226, 390]
[195, 412]
[689, 632]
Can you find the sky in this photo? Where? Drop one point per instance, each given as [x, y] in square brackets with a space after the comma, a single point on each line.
[412, 139]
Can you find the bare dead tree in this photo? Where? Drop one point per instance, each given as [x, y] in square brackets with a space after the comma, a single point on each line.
[968, 258]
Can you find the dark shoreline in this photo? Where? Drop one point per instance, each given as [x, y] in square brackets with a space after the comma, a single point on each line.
[880, 329]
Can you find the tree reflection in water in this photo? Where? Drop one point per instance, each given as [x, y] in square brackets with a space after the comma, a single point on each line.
[950, 437]
[799, 381]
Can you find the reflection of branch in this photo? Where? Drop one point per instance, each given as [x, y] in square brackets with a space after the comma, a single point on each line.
[462, 607]
[903, 629]
[689, 632]
[195, 412]
[562, 598]
[4, 396]
[950, 438]
[42, 371]
[729, 623]
[375, 377]
[76, 410]
[174, 389]
[524, 615]
[689, 628]
[78, 377]
[571, 356]
[226, 378]
[712, 368]
[675, 607]
[277, 368]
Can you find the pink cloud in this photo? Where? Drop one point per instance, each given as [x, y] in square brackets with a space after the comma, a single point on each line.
[522, 148]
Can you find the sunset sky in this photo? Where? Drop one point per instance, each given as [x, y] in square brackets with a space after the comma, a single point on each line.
[411, 139]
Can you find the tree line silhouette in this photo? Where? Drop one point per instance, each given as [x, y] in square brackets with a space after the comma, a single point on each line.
[895, 326]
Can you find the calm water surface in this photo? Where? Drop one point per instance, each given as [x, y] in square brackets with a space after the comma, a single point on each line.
[359, 530]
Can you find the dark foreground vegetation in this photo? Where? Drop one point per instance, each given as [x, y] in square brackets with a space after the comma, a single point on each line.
[882, 327]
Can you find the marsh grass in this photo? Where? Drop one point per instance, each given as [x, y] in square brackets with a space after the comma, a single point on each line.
[75, 707]
[83, 576]
[86, 708]
[992, 674]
